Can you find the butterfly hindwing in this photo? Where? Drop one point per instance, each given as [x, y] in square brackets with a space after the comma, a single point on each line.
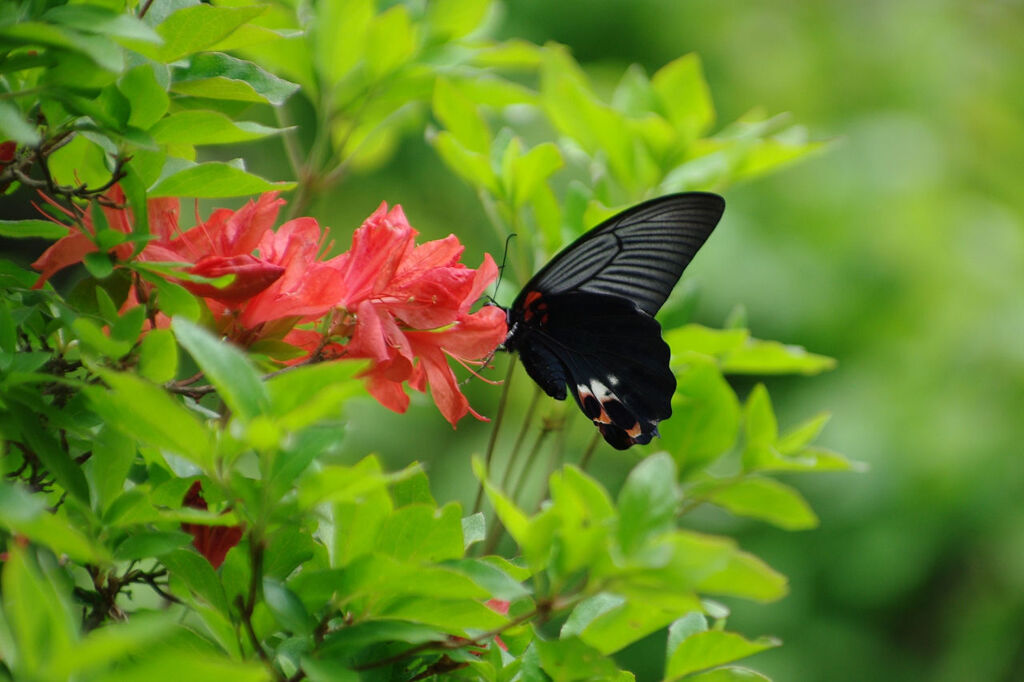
[611, 356]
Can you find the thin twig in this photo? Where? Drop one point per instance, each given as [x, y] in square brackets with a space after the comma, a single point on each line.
[495, 427]
[585, 459]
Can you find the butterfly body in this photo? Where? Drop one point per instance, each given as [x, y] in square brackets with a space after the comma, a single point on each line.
[585, 323]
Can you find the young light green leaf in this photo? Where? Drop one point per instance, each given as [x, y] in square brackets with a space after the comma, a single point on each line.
[571, 659]
[684, 97]
[705, 411]
[647, 502]
[450, 19]
[710, 649]
[768, 500]
[772, 357]
[198, 575]
[158, 356]
[390, 41]
[744, 575]
[473, 167]
[207, 127]
[532, 169]
[226, 367]
[801, 435]
[192, 29]
[461, 116]
[760, 424]
[214, 179]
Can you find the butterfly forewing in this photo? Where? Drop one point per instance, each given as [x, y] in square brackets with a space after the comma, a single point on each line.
[638, 254]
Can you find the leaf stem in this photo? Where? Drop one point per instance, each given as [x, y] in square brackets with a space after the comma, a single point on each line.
[499, 417]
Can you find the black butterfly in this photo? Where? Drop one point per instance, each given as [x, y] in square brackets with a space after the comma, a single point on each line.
[586, 320]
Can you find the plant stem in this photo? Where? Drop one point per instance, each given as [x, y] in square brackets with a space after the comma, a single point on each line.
[492, 441]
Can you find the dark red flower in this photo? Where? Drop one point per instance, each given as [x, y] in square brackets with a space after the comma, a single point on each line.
[213, 542]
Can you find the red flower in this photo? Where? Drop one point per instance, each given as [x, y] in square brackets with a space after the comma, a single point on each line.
[222, 245]
[213, 542]
[411, 310]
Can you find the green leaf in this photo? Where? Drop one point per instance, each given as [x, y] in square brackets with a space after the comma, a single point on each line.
[709, 649]
[13, 126]
[103, 52]
[474, 529]
[37, 606]
[207, 127]
[227, 368]
[158, 356]
[144, 411]
[729, 674]
[151, 543]
[421, 533]
[456, 616]
[390, 41]
[705, 414]
[55, 458]
[744, 575]
[532, 169]
[570, 659]
[221, 76]
[193, 29]
[112, 457]
[511, 517]
[772, 357]
[128, 326]
[460, 115]
[306, 395]
[175, 300]
[214, 179]
[23, 229]
[450, 19]
[695, 338]
[768, 500]
[498, 583]
[802, 434]
[93, 19]
[26, 514]
[683, 627]
[351, 18]
[198, 575]
[759, 417]
[148, 98]
[647, 502]
[286, 607]
[99, 265]
[473, 167]
[684, 97]
[113, 643]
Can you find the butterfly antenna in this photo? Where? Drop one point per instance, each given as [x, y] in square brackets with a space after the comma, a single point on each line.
[501, 268]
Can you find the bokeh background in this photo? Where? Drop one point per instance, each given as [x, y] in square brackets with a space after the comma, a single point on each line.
[899, 251]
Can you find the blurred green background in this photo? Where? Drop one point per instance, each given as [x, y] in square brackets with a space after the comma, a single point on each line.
[899, 251]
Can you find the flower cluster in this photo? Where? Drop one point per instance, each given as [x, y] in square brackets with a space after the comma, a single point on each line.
[403, 307]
